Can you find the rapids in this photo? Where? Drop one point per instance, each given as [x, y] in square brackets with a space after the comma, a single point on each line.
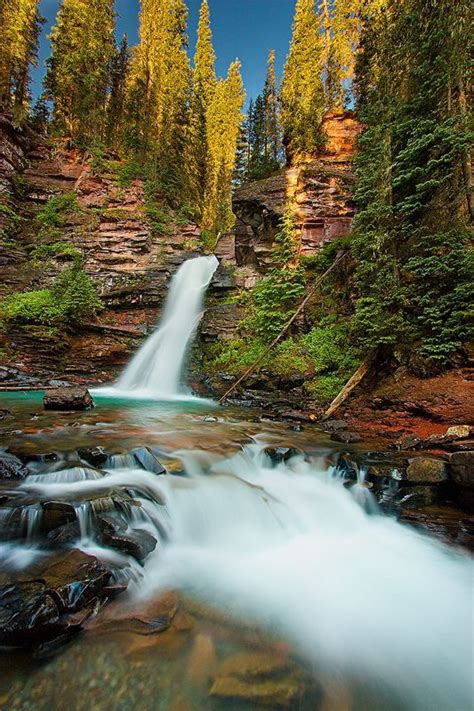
[290, 547]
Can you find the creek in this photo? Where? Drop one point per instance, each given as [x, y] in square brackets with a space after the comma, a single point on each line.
[280, 576]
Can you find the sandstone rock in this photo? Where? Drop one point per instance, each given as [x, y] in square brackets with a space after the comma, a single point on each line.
[138, 544]
[27, 612]
[461, 469]
[335, 425]
[408, 442]
[66, 399]
[426, 471]
[458, 432]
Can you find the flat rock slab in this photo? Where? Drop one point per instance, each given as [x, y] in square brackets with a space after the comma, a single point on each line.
[67, 399]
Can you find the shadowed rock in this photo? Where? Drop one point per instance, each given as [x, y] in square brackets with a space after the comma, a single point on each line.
[66, 399]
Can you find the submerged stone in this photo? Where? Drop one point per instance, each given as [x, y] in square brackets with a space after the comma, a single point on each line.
[67, 399]
[257, 678]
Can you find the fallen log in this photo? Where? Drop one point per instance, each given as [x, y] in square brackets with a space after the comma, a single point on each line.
[351, 384]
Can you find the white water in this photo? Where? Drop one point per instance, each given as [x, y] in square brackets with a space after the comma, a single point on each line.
[359, 596]
[156, 370]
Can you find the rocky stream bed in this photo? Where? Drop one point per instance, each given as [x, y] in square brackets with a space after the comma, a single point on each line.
[76, 538]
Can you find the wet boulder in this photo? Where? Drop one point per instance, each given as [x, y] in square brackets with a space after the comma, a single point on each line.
[461, 468]
[138, 543]
[147, 459]
[282, 454]
[64, 535]
[12, 468]
[97, 456]
[424, 470]
[67, 399]
[56, 514]
[27, 612]
[50, 599]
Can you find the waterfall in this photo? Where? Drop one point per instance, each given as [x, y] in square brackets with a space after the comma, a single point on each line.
[156, 369]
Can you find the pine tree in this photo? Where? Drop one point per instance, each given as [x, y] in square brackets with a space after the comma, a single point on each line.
[273, 140]
[223, 121]
[78, 76]
[302, 94]
[20, 22]
[116, 105]
[204, 86]
[410, 244]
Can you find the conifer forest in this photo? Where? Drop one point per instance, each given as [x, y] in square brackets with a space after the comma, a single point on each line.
[236, 355]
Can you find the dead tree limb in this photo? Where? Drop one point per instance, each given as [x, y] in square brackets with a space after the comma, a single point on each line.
[351, 384]
[287, 325]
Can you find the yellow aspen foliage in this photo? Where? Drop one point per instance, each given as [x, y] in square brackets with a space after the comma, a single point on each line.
[302, 94]
[159, 88]
[204, 86]
[19, 23]
[223, 121]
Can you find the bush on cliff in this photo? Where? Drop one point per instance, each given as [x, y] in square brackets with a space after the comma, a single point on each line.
[71, 299]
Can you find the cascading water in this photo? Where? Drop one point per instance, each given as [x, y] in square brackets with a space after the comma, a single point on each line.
[359, 596]
[156, 369]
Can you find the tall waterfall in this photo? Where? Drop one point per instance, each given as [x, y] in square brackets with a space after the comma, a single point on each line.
[156, 369]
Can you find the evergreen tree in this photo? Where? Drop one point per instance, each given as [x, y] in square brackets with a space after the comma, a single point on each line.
[116, 105]
[223, 121]
[410, 244]
[273, 140]
[78, 76]
[204, 86]
[302, 94]
[20, 22]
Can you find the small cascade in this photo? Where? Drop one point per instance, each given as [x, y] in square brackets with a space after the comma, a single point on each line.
[294, 546]
[66, 476]
[155, 372]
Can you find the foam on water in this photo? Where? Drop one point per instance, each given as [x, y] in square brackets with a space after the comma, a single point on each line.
[156, 370]
[290, 547]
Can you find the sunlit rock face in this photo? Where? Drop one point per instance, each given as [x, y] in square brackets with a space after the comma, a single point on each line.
[321, 187]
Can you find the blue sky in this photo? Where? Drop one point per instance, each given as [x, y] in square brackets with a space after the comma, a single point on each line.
[246, 29]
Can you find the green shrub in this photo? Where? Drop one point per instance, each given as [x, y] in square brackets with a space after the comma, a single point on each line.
[127, 172]
[56, 250]
[76, 291]
[32, 307]
[71, 299]
[54, 213]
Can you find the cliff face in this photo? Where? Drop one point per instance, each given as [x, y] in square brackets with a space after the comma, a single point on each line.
[130, 260]
[321, 187]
